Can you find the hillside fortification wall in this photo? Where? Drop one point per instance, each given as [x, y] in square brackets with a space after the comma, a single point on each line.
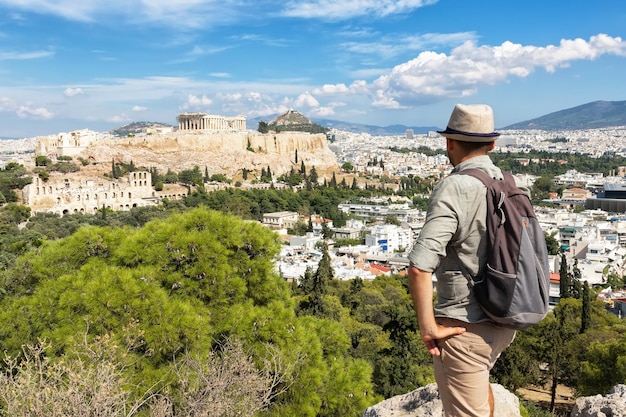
[221, 152]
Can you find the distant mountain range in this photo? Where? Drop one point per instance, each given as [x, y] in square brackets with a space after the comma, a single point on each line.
[594, 115]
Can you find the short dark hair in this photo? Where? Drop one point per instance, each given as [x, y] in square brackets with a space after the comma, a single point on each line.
[472, 147]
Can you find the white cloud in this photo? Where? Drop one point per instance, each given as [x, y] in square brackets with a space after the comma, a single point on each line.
[6, 104]
[306, 100]
[198, 50]
[468, 67]
[180, 13]
[338, 10]
[268, 110]
[28, 112]
[197, 103]
[323, 112]
[382, 100]
[139, 108]
[254, 97]
[229, 97]
[119, 118]
[70, 92]
[392, 45]
[331, 89]
[6, 56]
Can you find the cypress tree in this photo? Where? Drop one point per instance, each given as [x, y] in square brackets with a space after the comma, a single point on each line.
[585, 319]
[563, 278]
[313, 176]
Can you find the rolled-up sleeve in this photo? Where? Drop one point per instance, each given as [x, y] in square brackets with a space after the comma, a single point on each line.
[441, 224]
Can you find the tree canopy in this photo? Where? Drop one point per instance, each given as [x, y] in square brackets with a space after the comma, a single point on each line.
[174, 287]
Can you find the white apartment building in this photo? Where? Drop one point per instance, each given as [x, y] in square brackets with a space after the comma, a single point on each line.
[389, 238]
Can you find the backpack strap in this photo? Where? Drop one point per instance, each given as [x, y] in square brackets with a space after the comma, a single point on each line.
[483, 177]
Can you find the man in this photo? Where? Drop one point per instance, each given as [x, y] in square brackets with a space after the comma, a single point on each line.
[464, 343]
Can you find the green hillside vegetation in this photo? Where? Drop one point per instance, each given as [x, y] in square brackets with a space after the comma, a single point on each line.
[170, 291]
[309, 127]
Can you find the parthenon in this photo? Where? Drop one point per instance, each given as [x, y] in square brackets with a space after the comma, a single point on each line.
[203, 121]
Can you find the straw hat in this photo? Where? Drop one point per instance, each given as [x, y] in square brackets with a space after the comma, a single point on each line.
[471, 123]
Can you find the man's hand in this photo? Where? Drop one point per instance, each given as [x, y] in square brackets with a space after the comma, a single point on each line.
[439, 332]
[421, 289]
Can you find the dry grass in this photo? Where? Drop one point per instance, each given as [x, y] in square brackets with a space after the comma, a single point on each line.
[91, 384]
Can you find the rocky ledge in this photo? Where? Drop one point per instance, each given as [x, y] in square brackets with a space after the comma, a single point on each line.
[425, 402]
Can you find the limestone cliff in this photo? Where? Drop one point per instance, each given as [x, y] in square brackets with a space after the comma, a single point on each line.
[222, 153]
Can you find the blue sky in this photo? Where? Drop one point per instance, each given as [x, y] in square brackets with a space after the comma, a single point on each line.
[67, 65]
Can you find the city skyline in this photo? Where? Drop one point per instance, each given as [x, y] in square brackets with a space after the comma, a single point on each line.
[66, 66]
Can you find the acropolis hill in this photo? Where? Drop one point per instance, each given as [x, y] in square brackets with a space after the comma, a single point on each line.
[220, 144]
[215, 144]
[221, 152]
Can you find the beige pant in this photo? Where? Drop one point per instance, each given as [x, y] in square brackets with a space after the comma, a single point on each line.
[462, 370]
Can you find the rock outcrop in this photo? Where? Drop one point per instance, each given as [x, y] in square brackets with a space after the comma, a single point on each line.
[223, 153]
[611, 405]
[425, 402]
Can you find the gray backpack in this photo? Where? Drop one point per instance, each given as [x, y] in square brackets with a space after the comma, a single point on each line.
[513, 289]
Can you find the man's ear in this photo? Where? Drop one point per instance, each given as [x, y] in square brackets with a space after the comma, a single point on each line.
[493, 145]
[449, 143]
